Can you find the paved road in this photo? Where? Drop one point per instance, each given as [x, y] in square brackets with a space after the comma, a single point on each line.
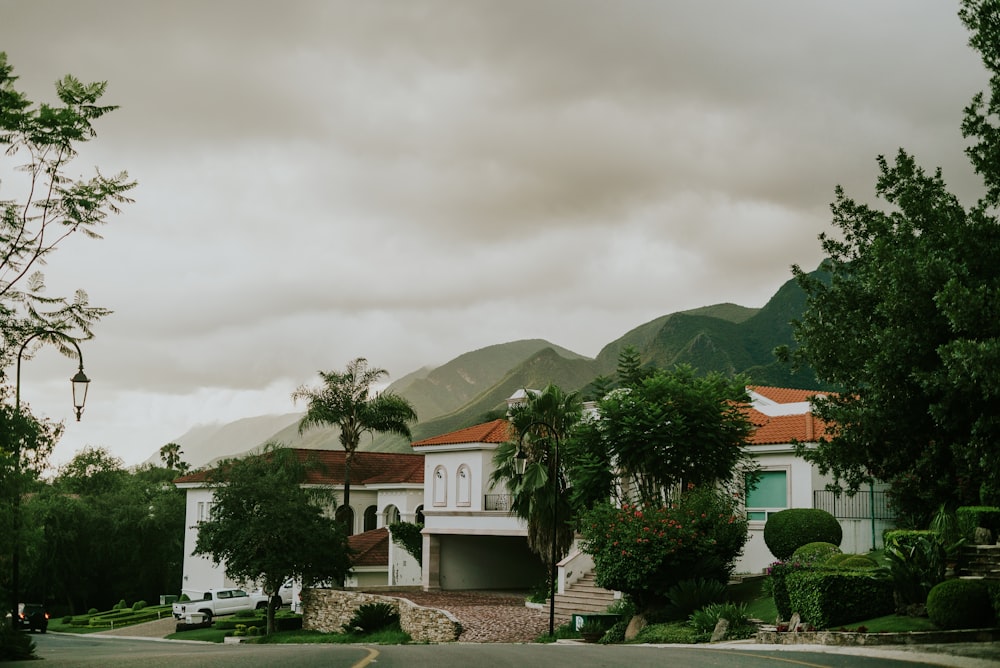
[91, 651]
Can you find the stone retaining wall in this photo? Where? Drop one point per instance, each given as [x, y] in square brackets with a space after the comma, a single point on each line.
[327, 610]
[853, 638]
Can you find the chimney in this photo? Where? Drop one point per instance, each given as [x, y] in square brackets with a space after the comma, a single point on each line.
[809, 426]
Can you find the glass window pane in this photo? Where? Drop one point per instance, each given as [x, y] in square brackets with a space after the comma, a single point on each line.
[770, 492]
[757, 516]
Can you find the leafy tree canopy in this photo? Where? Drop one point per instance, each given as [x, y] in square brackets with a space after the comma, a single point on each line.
[905, 318]
[668, 428]
[347, 400]
[266, 528]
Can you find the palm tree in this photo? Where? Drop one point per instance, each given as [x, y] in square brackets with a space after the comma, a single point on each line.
[345, 399]
[545, 419]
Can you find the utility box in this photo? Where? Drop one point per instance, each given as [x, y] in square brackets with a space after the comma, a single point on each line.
[194, 617]
[168, 599]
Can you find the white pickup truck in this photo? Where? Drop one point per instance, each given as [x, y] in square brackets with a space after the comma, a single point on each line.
[220, 602]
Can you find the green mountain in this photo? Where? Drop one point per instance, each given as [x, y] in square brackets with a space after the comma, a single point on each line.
[474, 386]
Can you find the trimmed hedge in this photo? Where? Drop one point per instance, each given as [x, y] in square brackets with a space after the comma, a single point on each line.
[857, 562]
[282, 622]
[905, 539]
[832, 598]
[960, 604]
[970, 517]
[815, 553]
[779, 572]
[790, 529]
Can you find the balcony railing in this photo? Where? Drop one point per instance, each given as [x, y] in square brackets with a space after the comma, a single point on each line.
[862, 506]
[501, 502]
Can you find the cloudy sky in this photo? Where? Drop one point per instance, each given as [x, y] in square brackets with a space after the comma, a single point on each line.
[409, 181]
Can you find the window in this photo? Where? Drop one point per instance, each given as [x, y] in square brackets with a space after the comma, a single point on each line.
[345, 515]
[440, 482]
[463, 493]
[205, 511]
[419, 517]
[769, 495]
[391, 515]
[371, 518]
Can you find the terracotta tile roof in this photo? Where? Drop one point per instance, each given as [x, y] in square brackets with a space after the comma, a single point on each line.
[367, 468]
[496, 431]
[803, 427]
[371, 548]
[784, 395]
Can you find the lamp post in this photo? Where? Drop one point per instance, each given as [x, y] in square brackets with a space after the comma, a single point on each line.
[80, 383]
[520, 465]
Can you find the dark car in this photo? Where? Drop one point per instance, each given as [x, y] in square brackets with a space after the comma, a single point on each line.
[32, 616]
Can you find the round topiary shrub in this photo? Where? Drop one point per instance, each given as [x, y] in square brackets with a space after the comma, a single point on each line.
[815, 553]
[960, 604]
[790, 529]
[138, 605]
[834, 561]
[857, 562]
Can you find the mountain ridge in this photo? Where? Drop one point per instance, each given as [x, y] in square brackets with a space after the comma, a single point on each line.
[474, 386]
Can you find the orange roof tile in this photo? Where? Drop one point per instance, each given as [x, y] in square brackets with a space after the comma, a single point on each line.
[367, 468]
[495, 431]
[370, 548]
[802, 427]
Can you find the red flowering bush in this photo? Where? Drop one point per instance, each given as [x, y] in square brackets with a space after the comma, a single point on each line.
[643, 551]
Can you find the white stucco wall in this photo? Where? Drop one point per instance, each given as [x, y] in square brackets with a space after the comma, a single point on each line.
[199, 573]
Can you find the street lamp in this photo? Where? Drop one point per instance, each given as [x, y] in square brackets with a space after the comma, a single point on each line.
[80, 383]
[520, 465]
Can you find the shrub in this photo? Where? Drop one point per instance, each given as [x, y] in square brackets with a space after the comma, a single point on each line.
[138, 605]
[790, 529]
[689, 595]
[643, 551]
[815, 553]
[916, 565]
[779, 571]
[970, 517]
[68, 619]
[832, 598]
[93, 611]
[372, 617]
[834, 560]
[246, 614]
[905, 538]
[14, 645]
[184, 597]
[960, 604]
[120, 605]
[857, 562]
[705, 619]
[616, 633]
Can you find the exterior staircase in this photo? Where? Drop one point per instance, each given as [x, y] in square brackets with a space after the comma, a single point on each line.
[978, 561]
[583, 596]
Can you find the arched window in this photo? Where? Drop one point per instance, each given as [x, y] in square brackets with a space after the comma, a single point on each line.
[418, 517]
[463, 483]
[440, 483]
[345, 515]
[391, 515]
[371, 518]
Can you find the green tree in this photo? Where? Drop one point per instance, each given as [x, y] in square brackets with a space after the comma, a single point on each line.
[170, 455]
[644, 550]
[39, 141]
[546, 419]
[671, 428]
[52, 205]
[903, 318]
[346, 399]
[266, 527]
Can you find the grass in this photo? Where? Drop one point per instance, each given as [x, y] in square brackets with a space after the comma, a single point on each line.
[892, 624]
[109, 619]
[389, 636]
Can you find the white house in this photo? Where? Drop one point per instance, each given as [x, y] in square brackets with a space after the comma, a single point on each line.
[385, 488]
[471, 541]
